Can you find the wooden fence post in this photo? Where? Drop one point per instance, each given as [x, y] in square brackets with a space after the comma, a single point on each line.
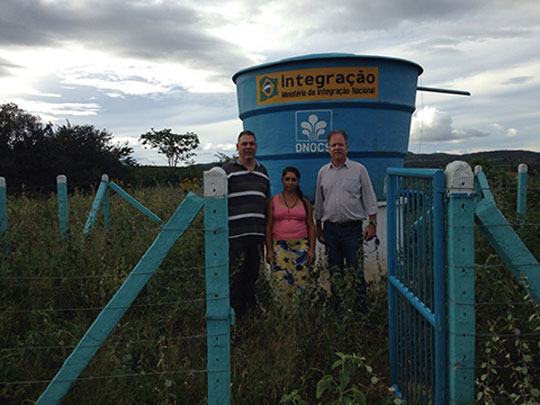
[460, 283]
[61, 187]
[217, 286]
[521, 206]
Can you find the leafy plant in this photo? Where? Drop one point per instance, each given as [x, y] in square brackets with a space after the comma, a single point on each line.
[341, 390]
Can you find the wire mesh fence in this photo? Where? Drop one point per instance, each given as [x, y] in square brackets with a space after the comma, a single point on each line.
[48, 299]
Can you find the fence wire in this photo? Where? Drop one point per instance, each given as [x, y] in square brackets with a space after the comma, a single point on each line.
[167, 340]
[105, 276]
[112, 343]
[110, 376]
[112, 232]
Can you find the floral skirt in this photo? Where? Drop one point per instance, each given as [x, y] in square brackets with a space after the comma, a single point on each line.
[291, 269]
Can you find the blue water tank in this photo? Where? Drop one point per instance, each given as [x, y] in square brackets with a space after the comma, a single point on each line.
[292, 104]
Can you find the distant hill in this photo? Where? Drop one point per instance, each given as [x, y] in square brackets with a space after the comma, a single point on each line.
[509, 159]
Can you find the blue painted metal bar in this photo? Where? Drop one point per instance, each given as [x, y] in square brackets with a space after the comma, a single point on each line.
[413, 300]
[521, 206]
[439, 286]
[426, 214]
[96, 205]
[428, 299]
[120, 302]
[393, 202]
[409, 267]
[217, 287]
[421, 173]
[415, 286]
[423, 270]
[135, 203]
[61, 187]
[406, 364]
[400, 271]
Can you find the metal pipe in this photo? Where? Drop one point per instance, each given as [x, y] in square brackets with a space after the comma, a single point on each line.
[448, 91]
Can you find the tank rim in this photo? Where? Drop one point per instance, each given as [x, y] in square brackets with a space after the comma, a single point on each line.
[322, 56]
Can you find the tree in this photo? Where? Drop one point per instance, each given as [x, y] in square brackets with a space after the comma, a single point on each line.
[176, 147]
[84, 153]
[20, 133]
[34, 153]
[223, 158]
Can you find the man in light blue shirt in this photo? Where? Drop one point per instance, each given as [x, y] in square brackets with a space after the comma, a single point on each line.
[344, 198]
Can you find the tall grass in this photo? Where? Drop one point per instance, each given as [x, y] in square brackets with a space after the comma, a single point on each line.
[277, 349]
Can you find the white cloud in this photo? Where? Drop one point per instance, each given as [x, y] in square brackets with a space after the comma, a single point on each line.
[430, 125]
[497, 127]
[512, 132]
[130, 66]
[222, 146]
[51, 111]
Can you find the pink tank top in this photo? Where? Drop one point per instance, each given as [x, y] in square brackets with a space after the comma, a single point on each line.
[289, 223]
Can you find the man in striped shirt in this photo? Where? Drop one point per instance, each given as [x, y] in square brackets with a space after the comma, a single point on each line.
[249, 190]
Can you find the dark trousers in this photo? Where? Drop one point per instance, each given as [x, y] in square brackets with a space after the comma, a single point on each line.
[244, 263]
[344, 247]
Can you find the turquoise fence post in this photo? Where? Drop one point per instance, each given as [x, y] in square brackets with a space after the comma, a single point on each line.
[61, 187]
[521, 206]
[96, 205]
[506, 242]
[460, 282]
[121, 301]
[4, 216]
[115, 187]
[218, 313]
[106, 204]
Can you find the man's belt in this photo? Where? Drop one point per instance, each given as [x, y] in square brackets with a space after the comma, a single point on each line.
[344, 224]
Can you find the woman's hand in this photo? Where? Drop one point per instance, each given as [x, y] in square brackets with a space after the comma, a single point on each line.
[311, 256]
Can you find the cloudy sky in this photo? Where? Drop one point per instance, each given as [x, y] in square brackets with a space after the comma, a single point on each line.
[130, 65]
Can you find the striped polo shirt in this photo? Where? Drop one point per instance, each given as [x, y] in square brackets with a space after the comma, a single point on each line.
[248, 192]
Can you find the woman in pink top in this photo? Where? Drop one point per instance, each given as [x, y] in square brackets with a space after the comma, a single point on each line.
[290, 235]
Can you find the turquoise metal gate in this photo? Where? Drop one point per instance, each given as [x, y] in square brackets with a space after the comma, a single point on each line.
[416, 284]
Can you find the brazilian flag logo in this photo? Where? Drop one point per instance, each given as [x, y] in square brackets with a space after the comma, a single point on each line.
[267, 88]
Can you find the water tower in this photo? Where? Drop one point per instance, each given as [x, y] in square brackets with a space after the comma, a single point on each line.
[292, 104]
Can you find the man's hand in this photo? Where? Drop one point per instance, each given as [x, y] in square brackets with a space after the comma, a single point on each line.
[320, 233]
[369, 232]
[270, 256]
